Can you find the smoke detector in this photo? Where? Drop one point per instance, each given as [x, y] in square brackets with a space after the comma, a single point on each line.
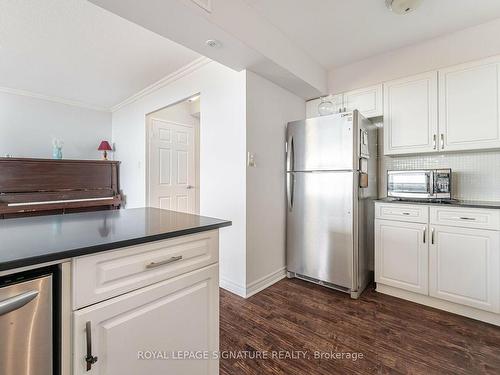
[213, 43]
[402, 6]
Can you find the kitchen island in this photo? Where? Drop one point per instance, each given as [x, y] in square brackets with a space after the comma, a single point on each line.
[127, 284]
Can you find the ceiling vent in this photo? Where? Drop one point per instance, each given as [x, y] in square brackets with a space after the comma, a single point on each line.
[402, 6]
[205, 4]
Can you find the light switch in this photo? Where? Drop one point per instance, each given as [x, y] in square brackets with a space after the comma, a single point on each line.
[251, 159]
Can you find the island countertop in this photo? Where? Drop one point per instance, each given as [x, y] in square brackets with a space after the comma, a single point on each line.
[35, 240]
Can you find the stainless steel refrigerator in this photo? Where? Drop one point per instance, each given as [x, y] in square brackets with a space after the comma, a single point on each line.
[331, 180]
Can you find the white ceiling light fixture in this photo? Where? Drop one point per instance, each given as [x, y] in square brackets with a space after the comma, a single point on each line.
[402, 6]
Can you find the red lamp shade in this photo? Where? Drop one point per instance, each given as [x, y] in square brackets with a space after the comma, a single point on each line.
[104, 146]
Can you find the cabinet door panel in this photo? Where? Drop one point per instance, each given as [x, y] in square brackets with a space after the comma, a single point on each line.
[180, 314]
[401, 254]
[464, 267]
[369, 101]
[410, 115]
[469, 101]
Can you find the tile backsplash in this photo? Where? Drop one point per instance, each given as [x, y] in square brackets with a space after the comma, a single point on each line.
[475, 175]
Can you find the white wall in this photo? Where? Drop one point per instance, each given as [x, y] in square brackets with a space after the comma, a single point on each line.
[28, 125]
[465, 45]
[222, 154]
[269, 109]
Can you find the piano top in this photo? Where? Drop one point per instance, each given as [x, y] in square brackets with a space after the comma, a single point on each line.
[40, 186]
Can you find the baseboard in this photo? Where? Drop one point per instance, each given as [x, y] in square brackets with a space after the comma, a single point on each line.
[232, 287]
[264, 282]
[469, 312]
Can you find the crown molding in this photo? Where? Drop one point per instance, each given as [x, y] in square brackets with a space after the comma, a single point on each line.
[53, 99]
[178, 74]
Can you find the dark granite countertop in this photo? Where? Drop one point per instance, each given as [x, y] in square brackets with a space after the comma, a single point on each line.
[35, 240]
[452, 203]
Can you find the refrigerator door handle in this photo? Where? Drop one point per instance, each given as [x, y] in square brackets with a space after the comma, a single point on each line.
[290, 155]
[290, 187]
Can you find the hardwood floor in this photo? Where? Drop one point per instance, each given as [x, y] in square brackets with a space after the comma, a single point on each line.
[393, 335]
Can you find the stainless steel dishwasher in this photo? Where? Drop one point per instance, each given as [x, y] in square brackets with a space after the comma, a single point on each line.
[27, 345]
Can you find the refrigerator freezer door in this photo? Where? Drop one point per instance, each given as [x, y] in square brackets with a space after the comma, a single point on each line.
[322, 143]
[320, 229]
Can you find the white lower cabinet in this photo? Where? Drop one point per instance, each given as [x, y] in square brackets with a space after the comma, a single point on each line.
[455, 266]
[464, 267]
[401, 253]
[139, 332]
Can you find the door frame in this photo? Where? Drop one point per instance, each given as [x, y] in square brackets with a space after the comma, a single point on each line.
[148, 118]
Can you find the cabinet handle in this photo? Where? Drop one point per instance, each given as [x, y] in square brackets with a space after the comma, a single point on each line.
[163, 262]
[90, 359]
[432, 236]
[424, 233]
[442, 141]
[406, 213]
[466, 218]
[434, 138]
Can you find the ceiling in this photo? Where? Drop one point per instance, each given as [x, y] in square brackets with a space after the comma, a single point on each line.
[74, 50]
[338, 32]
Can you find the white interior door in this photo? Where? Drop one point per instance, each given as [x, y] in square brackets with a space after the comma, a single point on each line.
[172, 166]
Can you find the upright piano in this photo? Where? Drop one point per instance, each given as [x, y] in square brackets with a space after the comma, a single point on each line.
[31, 187]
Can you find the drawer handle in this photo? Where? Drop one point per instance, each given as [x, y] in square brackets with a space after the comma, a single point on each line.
[163, 262]
[406, 213]
[466, 218]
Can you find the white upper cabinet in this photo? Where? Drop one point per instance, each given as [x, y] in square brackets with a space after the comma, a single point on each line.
[312, 105]
[468, 116]
[411, 114]
[469, 105]
[312, 108]
[368, 101]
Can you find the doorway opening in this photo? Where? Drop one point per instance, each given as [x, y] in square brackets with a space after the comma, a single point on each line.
[173, 157]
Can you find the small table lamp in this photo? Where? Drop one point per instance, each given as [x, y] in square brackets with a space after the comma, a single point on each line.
[104, 146]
